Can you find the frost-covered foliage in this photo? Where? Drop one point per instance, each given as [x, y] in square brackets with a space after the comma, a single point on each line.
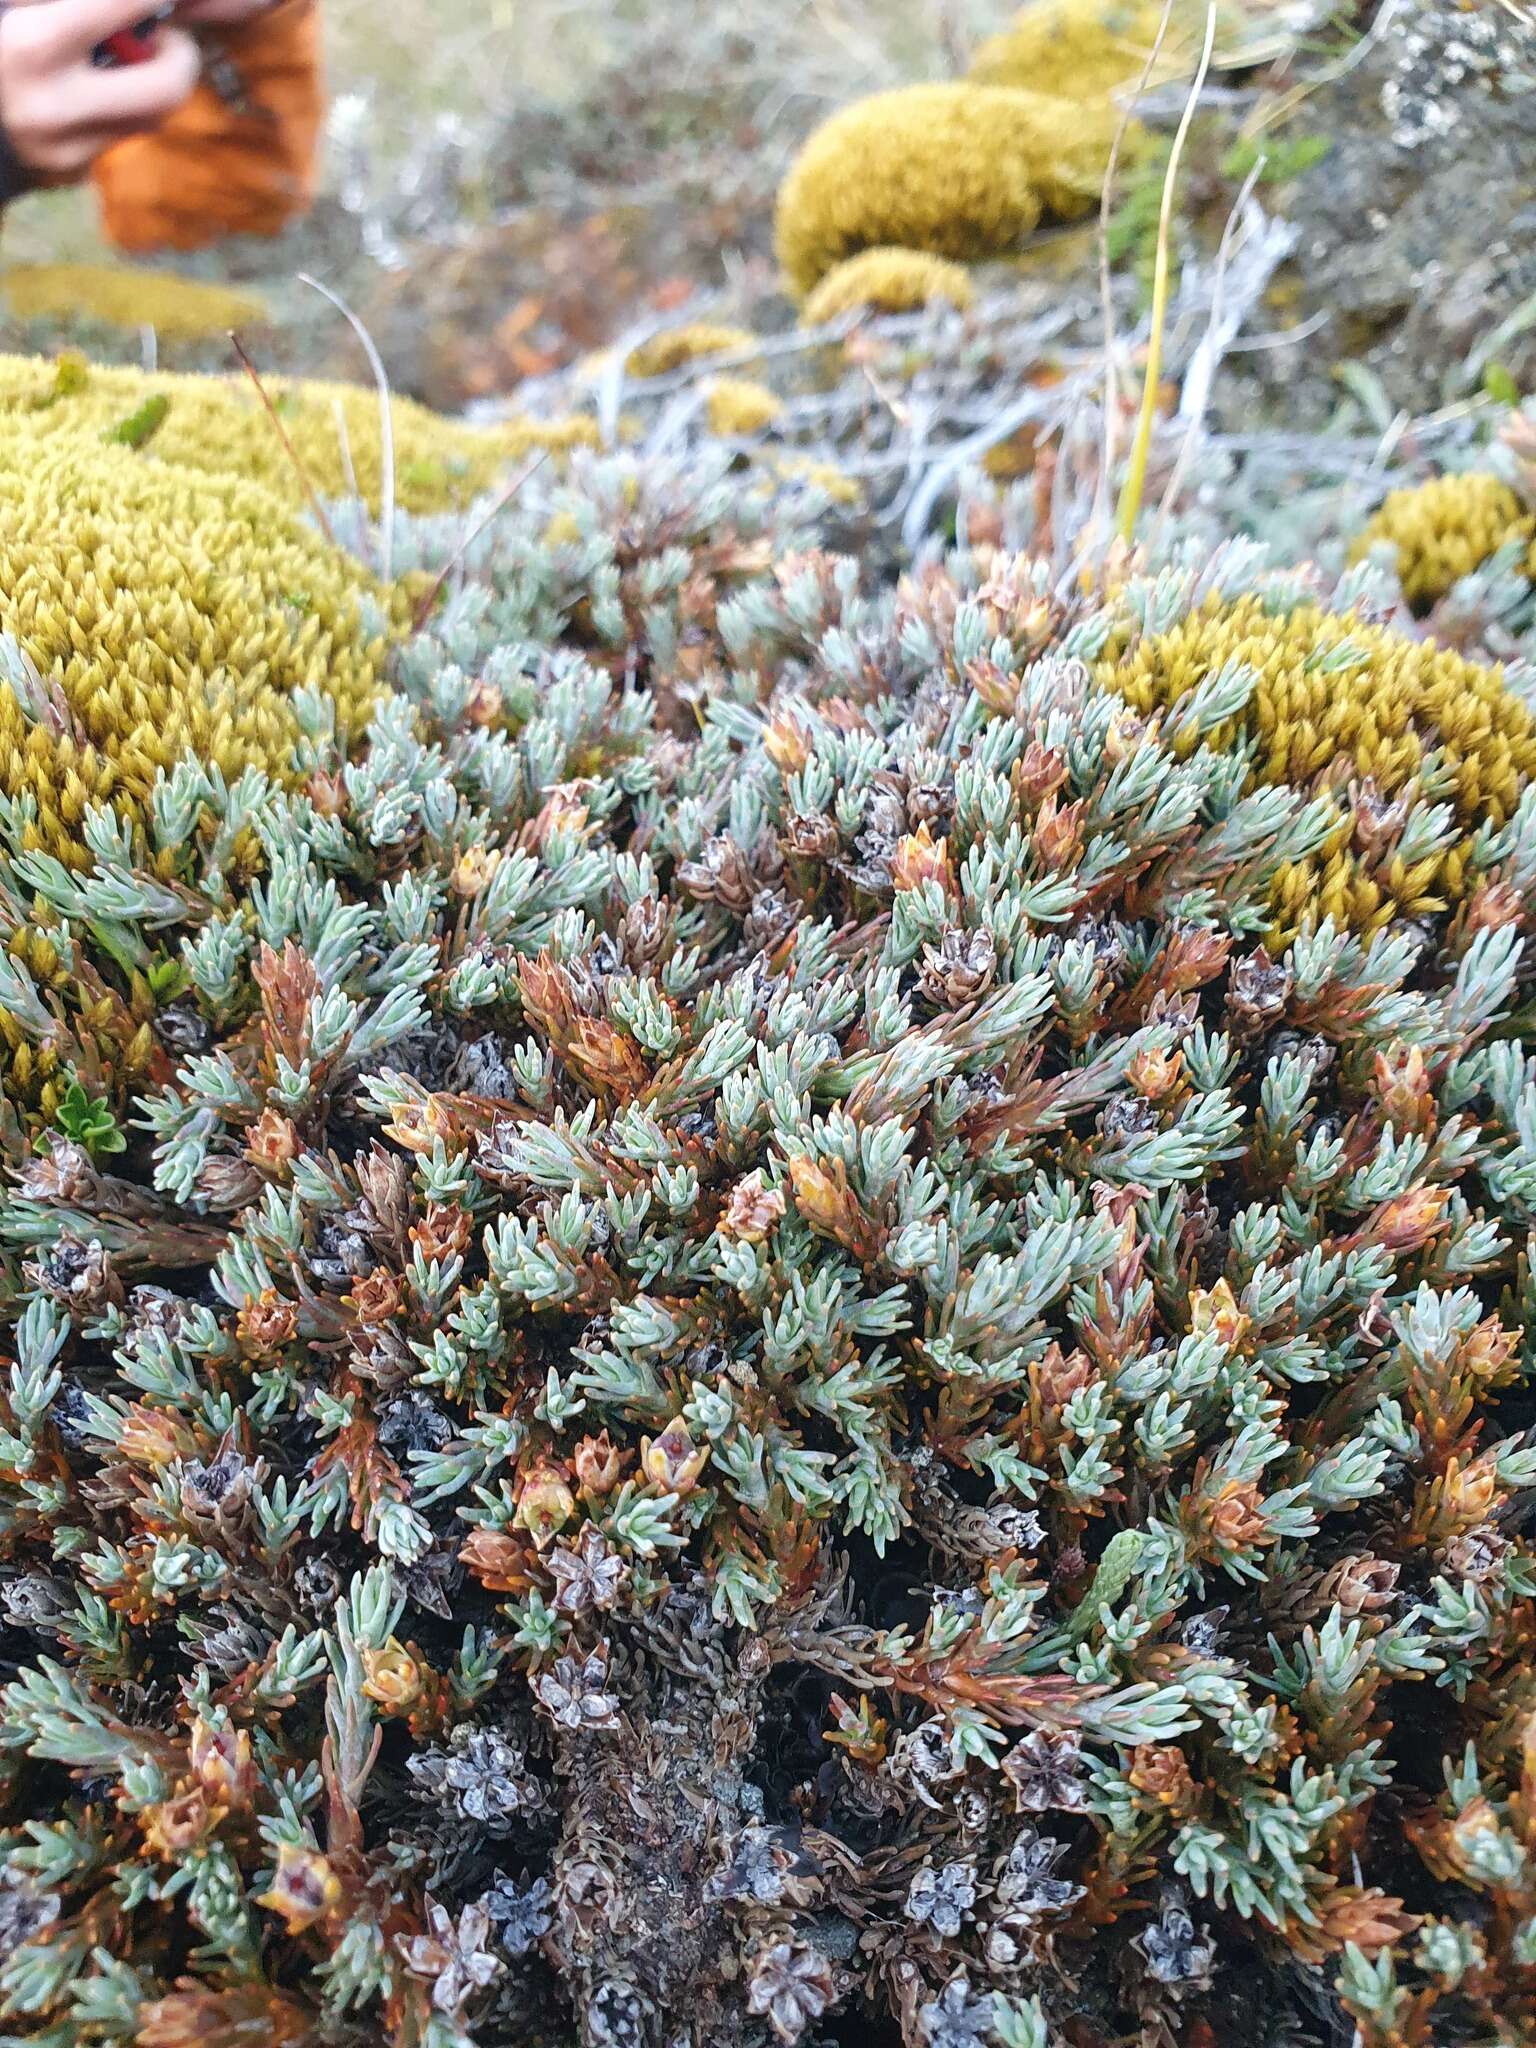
[749, 1370]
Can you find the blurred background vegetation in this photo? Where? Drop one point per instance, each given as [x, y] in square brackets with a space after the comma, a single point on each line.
[508, 153]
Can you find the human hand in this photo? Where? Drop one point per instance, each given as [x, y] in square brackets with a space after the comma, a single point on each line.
[59, 111]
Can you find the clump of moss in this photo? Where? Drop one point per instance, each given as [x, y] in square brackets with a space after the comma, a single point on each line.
[163, 611]
[740, 405]
[695, 341]
[886, 281]
[1083, 49]
[1091, 49]
[218, 425]
[178, 308]
[834, 484]
[1441, 530]
[960, 171]
[1391, 726]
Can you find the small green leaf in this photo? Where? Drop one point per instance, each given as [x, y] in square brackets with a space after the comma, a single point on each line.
[167, 977]
[1279, 157]
[140, 426]
[88, 1120]
[1498, 384]
[71, 375]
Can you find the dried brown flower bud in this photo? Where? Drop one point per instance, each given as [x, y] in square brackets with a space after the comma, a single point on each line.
[599, 1464]
[443, 1233]
[786, 742]
[328, 793]
[1258, 990]
[1359, 1585]
[1235, 1517]
[1488, 1352]
[792, 1985]
[1476, 1553]
[272, 1143]
[722, 874]
[419, 1125]
[304, 1888]
[77, 1272]
[64, 1174]
[267, 1323]
[227, 1181]
[1044, 1770]
[1409, 1221]
[499, 1561]
[563, 811]
[288, 982]
[1464, 1494]
[919, 858]
[1403, 1088]
[1374, 1324]
[1039, 772]
[1058, 833]
[959, 969]
[1377, 820]
[824, 1198]
[451, 1956]
[998, 690]
[1491, 904]
[604, 1057]
[588, 1577]
[1125, 734]
[150, 1436]
[1364, 1918]
[483, 702]
[175, 1826]
[812, 836]
[198, 2016]
[377, 1296]
[573, 1692]
[1057, 1377]
[1155, 1072]
[752, 1210]
[644, 931]
[1160, 1772]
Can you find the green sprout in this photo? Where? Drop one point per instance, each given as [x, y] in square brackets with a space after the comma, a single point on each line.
[88, 1120]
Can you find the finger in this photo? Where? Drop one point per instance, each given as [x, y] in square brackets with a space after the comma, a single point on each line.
[75, 27]
[136, 95]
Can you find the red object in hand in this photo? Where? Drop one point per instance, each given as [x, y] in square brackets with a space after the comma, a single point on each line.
[134, 45]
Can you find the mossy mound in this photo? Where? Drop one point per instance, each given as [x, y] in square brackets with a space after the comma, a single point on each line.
[740, 405]
[1381, 720]
[1083, 49]
[219, 425]
[1442, 530]
[166, 610]
[177, 308]
[960, 171]
[693, 342]
[886, 281]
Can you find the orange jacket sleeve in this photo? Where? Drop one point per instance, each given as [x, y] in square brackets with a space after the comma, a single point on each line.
[238, 159]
